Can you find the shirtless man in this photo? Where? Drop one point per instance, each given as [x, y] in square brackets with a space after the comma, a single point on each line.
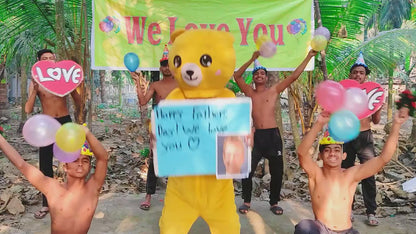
[159, 89]
[56, 107]
[331, 187]
[71, 204]
[267, 140]
[363, 148]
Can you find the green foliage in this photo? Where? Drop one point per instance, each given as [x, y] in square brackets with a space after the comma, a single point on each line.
[145, 152]
[232, 85]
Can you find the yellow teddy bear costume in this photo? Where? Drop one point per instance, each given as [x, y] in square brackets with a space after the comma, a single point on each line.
[202, 61]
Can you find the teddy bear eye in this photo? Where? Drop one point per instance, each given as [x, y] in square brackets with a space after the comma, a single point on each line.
[177, 61]
[206, 60]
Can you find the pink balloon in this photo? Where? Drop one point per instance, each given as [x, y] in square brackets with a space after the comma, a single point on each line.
[65, 157]
[356, 101]
[330, 95]
[40, 130]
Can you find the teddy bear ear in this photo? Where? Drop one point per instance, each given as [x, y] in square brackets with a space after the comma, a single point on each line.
[175, 34]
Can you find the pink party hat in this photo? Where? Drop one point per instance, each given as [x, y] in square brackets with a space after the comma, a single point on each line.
[164, 55]
[258, 66]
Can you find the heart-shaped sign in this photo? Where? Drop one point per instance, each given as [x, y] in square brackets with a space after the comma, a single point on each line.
[375, 94]
[59, 78]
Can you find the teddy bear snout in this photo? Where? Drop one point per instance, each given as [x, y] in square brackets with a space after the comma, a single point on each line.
[190, 73]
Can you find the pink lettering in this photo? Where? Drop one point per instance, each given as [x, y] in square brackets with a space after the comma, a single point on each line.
[135, 32]
[154, 28]
[244, 29]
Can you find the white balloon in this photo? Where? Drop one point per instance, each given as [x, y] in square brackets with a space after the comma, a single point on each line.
[40, 130]
[267, 49]
[356, 100]
[324, 32]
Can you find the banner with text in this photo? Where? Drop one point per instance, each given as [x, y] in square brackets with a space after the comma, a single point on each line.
[186, 133]
[144, 27]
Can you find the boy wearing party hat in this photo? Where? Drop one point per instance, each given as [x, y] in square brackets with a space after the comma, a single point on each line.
[71, 204]
[331, 187]
[159, 90]
[363, 146]
[267, 140]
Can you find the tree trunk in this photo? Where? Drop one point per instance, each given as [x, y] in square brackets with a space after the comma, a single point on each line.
[390, 98]
[412, 137]
[293, 119]
[60, 29]
[23, 90]
[102, 85]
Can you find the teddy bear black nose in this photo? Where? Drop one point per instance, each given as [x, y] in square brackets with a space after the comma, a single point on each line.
[190, 73]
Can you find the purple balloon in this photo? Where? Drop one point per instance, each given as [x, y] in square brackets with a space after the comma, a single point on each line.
[40, 130]
[65, 157]
[295, 28]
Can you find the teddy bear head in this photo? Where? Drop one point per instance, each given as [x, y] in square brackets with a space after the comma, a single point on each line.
[202, 61]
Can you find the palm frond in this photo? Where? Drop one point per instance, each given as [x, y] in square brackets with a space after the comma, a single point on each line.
[382, 53]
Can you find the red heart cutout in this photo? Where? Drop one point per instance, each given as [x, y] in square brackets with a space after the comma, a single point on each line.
[375, 94]
[59, 78]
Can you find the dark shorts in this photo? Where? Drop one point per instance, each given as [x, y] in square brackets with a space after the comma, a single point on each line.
[309, 226]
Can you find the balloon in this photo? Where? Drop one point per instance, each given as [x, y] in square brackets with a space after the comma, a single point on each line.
[323, 31]
[65, 157]
[105, 27]
[268, 49]
[319, 43]
[40, 130]
[344, 126]
[356, 101]
[131, 61]
[330, 95]
[261, 40]
[70, 137]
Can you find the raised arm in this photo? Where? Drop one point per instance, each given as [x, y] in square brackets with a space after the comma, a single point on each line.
[33, 91]
[374, 165]
[34, 175]
[295, 74]
[305, 159]
[143, 96]
[101, 155]
[238, 75]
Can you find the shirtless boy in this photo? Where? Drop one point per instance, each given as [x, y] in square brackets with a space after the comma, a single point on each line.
[71, 204]
[159, 89]
[56, 107]
[331, 187]
[363, 146]
[267, 140]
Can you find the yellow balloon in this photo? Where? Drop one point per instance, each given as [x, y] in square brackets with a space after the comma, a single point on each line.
[319, 42]
[70, 137]
[262, 39]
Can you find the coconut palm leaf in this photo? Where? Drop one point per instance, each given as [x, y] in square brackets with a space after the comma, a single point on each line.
[382, 53]
[347, 15]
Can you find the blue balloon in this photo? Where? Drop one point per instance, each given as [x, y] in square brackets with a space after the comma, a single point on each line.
[131, 61]
[344, 126]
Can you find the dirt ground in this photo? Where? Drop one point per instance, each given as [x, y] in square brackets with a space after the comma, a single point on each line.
[118, 210]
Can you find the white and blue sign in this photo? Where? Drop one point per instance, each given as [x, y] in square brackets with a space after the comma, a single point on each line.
[186, 132]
